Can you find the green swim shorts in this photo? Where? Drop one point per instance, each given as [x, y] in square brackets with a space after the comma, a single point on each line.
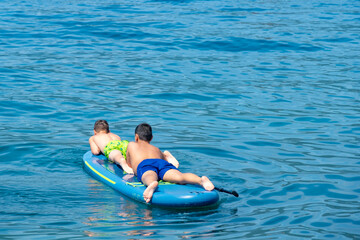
[116, 145]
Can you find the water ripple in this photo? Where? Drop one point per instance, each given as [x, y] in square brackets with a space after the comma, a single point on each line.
[261, 97]
[234, 44]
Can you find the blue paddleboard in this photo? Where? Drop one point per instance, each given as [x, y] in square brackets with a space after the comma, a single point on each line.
[166, 195]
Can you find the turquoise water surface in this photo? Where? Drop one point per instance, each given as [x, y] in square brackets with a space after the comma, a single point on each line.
[261, 96]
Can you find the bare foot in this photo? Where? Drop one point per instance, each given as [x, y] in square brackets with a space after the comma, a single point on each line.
[206, 183]
[171, 159]
[149, 191]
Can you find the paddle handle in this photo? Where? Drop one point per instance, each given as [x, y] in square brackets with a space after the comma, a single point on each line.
[227, 191]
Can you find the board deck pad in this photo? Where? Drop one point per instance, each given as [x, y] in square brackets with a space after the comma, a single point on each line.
[166, 195]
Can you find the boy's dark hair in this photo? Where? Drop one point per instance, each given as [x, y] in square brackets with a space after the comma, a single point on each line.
[101, 125]
[144, 132]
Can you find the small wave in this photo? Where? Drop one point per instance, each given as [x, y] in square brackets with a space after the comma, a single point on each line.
[236, 44]
[177, 96]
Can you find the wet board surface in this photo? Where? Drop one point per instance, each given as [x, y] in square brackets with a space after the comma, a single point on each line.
[166, 195]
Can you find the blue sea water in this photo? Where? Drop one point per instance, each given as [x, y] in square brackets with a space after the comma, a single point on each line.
[261, 96]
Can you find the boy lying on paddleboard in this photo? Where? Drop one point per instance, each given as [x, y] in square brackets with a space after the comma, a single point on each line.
[150, 164]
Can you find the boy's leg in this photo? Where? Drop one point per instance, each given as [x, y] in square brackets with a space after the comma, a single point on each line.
[176, 176]
[116, 156]
[150, 179]
[170, 158]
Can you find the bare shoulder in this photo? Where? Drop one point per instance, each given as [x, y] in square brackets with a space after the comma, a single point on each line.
[91, 139]
[154, 148]
[114, 136]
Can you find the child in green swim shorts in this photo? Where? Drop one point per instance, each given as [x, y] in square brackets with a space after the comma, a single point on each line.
[111, 145]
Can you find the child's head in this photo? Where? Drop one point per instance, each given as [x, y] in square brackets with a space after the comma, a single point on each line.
[144, 132]
[101, 125]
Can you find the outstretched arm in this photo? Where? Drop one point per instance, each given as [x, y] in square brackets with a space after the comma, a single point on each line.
[170, 158]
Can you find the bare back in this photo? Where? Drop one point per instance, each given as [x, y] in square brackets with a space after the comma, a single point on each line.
[100, 140]
[141, 150]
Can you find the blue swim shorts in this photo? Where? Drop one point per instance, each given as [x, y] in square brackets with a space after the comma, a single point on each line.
[159, 166]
